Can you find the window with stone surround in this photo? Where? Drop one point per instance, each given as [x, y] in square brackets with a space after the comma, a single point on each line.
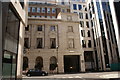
[71, 43]
[88, 33]
[70, 28]
[87, 24]
[38, 10]
[83, 33]
[48, 10]
[81, 15]
[52, 28]
[53, 10]
[39, 28]
[43, 10]
[52, 43]
[39, 43]
[26, 42]
[89, 43]
[33, 9]
[83, 43]
[82, 23]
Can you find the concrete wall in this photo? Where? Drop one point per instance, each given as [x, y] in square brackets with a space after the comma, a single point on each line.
[23, 23]
[0, 40]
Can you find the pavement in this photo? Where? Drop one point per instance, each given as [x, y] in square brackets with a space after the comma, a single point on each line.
[78, 76]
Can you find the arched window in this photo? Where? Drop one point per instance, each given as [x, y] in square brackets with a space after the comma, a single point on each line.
[25, 63]
[39, 63]
[53, 63]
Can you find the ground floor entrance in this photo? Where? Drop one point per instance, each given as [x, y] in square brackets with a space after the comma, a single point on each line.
[71, 63]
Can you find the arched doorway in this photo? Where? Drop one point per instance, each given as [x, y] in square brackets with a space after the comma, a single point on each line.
[25, 63]
[39, 63]
[53, 63]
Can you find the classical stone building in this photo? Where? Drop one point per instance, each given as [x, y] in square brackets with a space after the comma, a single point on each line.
[54, 44]
[13, 19]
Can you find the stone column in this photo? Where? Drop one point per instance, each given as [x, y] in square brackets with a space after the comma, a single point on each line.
[20, 51]
[31, 62]
[82, 62]
[60, 63]
[46, 64]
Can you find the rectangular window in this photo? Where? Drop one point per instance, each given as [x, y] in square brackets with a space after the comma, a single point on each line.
[53, 10]
[83, 33]
[39, 43]
[70, 29]
[88, 33]
[52, 28]
[89, 43]
[87, 24]
[39, 28]
[27, 28]
[38, 10]
[33, 9]
[81, 15]
[86, 9]
[63, 3]
[26, 42]
[71, 43]
[83, 43]
[48, 10]
[68, 10]
[79, 7]
[29, 9]
[82, 23]
[52, 43]
[92, 23]
[74, 6]
[43, 10]
[86, 16]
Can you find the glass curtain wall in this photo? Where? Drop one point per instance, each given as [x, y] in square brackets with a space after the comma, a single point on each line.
[10, 45]
[102, 33]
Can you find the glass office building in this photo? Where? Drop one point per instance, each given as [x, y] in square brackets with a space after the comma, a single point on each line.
[10, 38]
[10, 41]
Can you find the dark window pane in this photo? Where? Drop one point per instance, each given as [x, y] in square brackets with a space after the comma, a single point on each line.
[27, 28]
[52, 43]
[40, 28]
[26, 43]
[80, 7]
[83, 43]
[39, 42]
[52, 28]
[89, 43]
[74, 6]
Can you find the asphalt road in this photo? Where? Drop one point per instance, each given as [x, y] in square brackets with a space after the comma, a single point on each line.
[78, 76]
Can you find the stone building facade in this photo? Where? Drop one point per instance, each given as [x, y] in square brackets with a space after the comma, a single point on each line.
[54, 44]
[81, 8]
